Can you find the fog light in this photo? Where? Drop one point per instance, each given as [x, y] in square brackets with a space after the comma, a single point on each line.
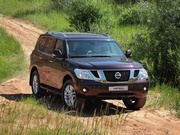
[85, 90]
[145, 88]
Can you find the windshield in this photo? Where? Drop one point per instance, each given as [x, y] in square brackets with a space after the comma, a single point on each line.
[93, 49]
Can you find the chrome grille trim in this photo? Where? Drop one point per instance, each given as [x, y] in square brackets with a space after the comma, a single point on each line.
[102, 77]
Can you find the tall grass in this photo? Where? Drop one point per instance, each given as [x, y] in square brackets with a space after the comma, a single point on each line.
[11, 56]
[22, 7]
[50, 21]
[30, 117]
[124, 34]
[164, 97]
[40, 12]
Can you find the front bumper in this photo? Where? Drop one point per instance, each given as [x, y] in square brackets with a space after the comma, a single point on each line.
[88, 88]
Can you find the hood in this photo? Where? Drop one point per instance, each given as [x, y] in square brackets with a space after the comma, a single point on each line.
[104, 63]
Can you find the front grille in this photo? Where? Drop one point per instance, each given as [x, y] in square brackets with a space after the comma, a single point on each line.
[110, 75]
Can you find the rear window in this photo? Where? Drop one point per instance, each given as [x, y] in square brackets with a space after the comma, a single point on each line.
[50, 45]
[47, 44]
[42, 42]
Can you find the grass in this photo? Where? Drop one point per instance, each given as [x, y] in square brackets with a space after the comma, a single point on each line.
[12, 59]
[124, 34]
[50, 21]
[164, 97]
[30, 116]
[22, 7]
[19, 118]
[40, 12]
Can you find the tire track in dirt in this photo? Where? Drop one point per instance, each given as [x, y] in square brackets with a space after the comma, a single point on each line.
[143, 122]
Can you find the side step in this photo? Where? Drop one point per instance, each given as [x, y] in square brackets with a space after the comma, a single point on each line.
[51, 89]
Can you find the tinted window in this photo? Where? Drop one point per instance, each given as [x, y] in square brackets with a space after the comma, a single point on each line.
[50, 45]
[42, 41]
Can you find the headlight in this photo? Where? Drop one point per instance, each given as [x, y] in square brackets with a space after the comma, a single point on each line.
[142, 74]
[83, 74]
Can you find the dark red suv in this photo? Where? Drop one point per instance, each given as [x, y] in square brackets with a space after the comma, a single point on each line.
[86, 65]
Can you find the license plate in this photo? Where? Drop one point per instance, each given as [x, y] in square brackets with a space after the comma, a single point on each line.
[118, 88]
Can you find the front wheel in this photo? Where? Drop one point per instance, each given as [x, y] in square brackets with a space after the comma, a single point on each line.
[134, 103]
[69, 97]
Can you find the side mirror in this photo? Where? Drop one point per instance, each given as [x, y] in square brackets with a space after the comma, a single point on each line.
[128, 53]
[57, 53]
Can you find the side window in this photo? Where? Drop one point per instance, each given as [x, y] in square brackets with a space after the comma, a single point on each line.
[59, 45]
[42, 42]
[50, 44]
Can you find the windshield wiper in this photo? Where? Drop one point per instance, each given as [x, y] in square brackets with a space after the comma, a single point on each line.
[84, 56]
[78, 56]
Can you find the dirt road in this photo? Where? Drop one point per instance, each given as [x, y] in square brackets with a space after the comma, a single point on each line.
[143, 122]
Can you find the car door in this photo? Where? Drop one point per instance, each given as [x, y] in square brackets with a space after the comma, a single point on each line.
[48, 72]
[56, 66]
[41, 59]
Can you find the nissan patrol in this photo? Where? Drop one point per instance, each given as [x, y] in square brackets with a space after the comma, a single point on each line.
[86, 65]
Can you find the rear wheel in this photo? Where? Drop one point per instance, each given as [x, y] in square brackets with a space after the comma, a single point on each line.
[69, 97]
[134, 103]
[35, 85]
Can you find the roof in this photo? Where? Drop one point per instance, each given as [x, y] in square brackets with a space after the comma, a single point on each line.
[76, 35]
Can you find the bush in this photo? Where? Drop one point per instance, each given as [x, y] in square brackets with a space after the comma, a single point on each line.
[84, 15]
[159, 50]
[88, 15]
[138, 13]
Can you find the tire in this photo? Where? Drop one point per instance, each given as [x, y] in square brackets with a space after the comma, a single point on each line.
[134, 103]
[69, 97]
[35, 85]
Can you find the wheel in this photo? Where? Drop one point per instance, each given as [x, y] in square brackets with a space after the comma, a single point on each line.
[35, 85]
[69, 97]
[134, 103]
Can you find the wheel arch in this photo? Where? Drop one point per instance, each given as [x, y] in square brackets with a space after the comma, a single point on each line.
[67, 77]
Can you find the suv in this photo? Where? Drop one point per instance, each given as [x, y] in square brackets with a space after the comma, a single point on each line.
[86, 65]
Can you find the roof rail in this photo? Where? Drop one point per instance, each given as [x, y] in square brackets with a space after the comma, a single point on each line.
[62, 34]
[49, 32]
[103, 34]
[106, 35]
